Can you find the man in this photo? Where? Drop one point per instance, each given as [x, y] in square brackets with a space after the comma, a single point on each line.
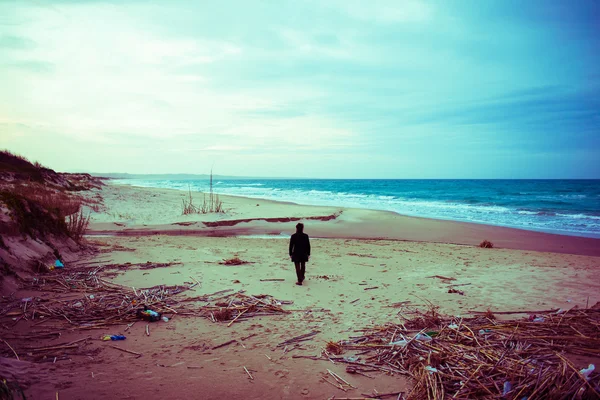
[300, 251]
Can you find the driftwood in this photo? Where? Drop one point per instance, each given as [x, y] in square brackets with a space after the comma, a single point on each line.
[477, 357]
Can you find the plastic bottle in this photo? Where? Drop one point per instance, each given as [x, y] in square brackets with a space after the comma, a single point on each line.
[507, 388]
[117, 337]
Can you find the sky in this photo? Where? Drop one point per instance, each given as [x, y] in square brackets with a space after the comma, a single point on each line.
[316, 89]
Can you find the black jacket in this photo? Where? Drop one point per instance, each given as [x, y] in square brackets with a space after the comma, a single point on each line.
[299, 247]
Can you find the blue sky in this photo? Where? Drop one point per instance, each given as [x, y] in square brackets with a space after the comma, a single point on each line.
[335, 89]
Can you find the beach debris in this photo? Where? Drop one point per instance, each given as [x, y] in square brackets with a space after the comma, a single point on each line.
[148, 315]
[512, 357]
[224, 344]
[234, 261]
[456, 291]
[371, 288]
[126, 351]
[249, 374]
[114, 337]
[486, 244]
[444, 278]
[115, 304]
[273, 280]
[238, 306]
[299, 338]
[341, 382]
[587, 371]
[58, 264]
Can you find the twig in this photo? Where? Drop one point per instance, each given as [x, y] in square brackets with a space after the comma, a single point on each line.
[13, 350]
[239, 315]
[224, 344]
[125, 350]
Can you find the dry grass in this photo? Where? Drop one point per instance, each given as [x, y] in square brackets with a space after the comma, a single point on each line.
[486, 244]
[474, 358]
[334, 348]
[234, 261]
[77, 224]
[60, 203]
[489, 314]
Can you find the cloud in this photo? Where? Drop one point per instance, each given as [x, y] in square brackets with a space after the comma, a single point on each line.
[15, 42]
[395, 85]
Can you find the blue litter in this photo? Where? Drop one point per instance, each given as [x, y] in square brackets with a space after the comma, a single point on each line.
[58, 264]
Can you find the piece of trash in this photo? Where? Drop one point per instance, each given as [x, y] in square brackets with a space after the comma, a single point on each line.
[91, 297]
[148, 315]
[539, 319]
[351, 359]
[165, 319]
[456, 291]
[484, 332]
[58, 264]
[453, 326]
[507, 388]
[399, 343]
[423, 336]
[560, 311]
[569, 300]
[432, 333]
[27, 299]
[587, 371]
[78, 304]
[114, 337]
[431, 369]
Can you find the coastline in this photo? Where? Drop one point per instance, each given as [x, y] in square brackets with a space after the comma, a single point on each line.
[151, 211]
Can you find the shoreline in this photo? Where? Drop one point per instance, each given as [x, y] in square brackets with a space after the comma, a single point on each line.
[588, 235]
[277, 218]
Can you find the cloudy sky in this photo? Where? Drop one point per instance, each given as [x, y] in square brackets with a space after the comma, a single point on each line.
[340, 89]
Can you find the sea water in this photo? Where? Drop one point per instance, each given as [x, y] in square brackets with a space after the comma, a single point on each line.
[569, 207]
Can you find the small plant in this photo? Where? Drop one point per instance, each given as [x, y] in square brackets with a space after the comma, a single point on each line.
[77, 224]
[189, 207]
[489, 314]
[334, 348]
[486, 244]
[213, 205]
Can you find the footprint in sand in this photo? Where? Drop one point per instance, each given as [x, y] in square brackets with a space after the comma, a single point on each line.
[281, 373]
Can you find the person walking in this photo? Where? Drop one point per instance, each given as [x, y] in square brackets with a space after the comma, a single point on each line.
[300, 251]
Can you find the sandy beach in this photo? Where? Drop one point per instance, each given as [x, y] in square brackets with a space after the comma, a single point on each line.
[367, 268]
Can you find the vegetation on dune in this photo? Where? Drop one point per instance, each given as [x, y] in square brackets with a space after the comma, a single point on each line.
[41, 201]
[21, 167]
[32, 218]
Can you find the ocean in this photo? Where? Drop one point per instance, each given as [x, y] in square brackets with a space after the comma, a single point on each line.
[570, 207]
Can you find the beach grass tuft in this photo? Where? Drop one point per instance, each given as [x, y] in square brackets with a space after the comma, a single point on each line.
[486, 244]
[334, 348]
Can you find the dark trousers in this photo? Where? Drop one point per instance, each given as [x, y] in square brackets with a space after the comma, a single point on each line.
[300, 270]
